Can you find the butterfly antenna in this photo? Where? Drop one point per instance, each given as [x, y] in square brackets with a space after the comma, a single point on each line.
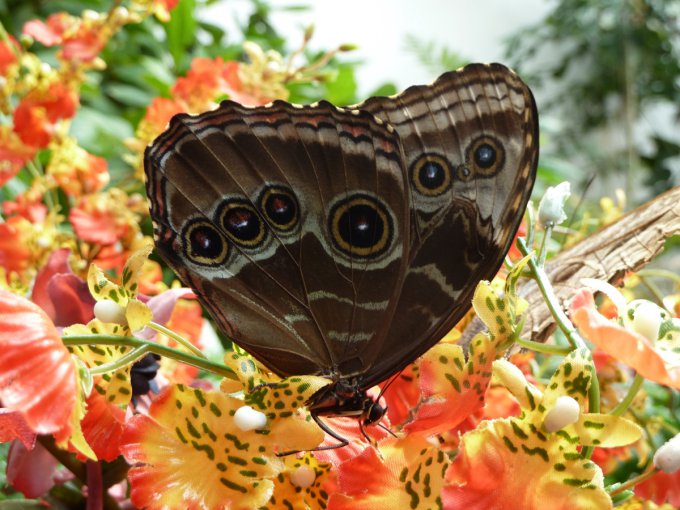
[387, 429]
[388, 384]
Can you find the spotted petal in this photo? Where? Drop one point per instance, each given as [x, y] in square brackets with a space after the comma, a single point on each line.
[188, 453]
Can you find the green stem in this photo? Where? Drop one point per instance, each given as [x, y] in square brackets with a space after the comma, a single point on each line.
[50, 198]
[178, 338]
[566, 326]
[659, 273]
[562, 350]
[623, 406]
[169, 352]
[547, 232]
[546, 289]
[633, 481]
[128, 359]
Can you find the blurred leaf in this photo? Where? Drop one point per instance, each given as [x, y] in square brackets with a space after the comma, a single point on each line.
[436, 59]
[343, 88]
[129, 95]
[181, 32]
[99, 133]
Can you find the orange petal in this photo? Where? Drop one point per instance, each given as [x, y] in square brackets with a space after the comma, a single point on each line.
[626, 346]
[37, 376]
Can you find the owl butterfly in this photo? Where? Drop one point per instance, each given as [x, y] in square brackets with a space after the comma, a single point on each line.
[345, 242]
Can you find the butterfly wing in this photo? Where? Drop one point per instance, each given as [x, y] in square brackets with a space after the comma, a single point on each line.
[290, 223]
[471, 145]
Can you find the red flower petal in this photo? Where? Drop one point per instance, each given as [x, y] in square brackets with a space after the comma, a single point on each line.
[8, 53]
[42, 32]
[14, 254]
[57, 263]
[103, 427]
[37, 376]
[661, 488]
[31, 471]
[13, 426]
[95, 227]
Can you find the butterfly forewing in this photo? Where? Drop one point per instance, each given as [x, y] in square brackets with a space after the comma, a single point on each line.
[291, 225]
[471, 146]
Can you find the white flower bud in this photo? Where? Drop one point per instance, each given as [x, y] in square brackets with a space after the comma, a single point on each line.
[246, 418]
[647, 319]
[667, 458]
[551, 209]
[565, 412]
[110, 311]
[303, 477]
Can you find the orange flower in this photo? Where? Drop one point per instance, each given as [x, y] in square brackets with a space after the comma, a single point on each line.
[103, 426]
[533, 461]
[81, 39]
[109, 222]
[661, 488]
[28, 205]
[37, 375]
[654, 359]
[8, 54]
[14, 154]
[206, 81]
[216, 464]
[38, 112]
[406, 474]
[159, 113]
[15, 254]
[75, 170]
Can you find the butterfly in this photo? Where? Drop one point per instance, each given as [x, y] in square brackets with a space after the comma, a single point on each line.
[345, 242]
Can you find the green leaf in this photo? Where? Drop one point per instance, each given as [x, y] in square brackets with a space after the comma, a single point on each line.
[181, 31]
[343, 89]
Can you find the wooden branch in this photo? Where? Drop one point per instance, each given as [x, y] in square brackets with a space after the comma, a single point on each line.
[625, 246]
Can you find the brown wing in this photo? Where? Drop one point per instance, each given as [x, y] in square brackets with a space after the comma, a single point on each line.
[471, 146]
[290, 223]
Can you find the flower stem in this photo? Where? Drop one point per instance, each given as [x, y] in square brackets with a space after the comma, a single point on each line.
[544, 348]
[633, 481]
[180, 339]
[169, 352]
[628, 399]
[565, 325]
[547, 233]
[128, 359]
[551, 300]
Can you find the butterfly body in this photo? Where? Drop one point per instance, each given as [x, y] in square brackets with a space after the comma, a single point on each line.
[344, 242]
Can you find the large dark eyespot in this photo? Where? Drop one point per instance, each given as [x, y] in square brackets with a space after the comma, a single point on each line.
[241, 222]
[361, 227]
[280, 207]
[431, 174]
[203, 243]
[485, 156]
